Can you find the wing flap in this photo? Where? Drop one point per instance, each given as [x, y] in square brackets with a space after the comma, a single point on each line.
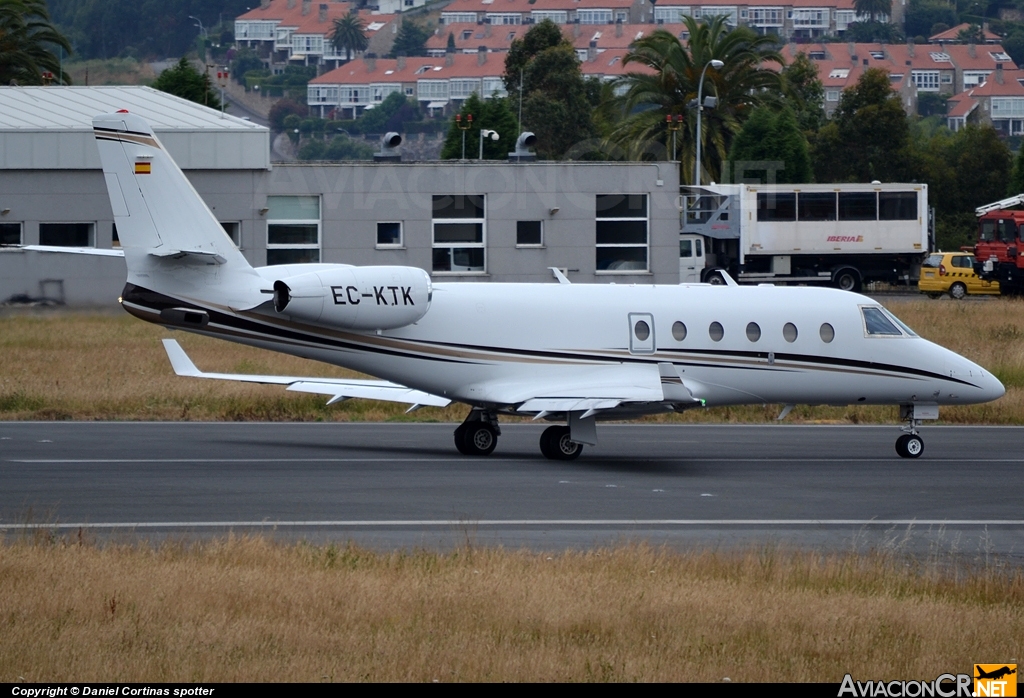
[337, 388]
[94, 251]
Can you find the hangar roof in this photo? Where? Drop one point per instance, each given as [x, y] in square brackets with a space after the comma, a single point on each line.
[51, 128]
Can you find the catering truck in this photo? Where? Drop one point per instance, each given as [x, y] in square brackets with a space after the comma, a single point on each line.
[842, 235]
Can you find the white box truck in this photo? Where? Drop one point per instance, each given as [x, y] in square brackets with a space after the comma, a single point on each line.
[844, 235]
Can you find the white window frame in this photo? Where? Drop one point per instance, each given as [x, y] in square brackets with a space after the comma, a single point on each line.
[594, 16]
[731, 13]
[503, 18]
[461, 88]
[92, 231]
[530, 245]
[646, 245]
[925, 80]
[1007, 108]
[831, 95]
[973, 78]
[765, 16]
[556, 16]
[297, 221]
[21, 231]
[391, 245]
[458, 17]
[492, 86]
[810, 18]
[452, 246]
[432, 90]
[671, 15]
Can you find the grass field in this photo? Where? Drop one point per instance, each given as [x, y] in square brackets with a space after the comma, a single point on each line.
[248, 609]
[75, 365]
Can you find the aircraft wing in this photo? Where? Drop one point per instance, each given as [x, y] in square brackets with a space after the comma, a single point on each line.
[337, 388]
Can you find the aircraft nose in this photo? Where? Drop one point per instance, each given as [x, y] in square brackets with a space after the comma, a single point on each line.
[992, 388]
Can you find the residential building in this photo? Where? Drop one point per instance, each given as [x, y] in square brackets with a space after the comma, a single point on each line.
[998, 102]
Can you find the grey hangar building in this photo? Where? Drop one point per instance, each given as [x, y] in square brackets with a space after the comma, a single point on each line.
[479, 221]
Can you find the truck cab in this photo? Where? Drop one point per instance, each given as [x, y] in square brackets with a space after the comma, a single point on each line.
[999, 247]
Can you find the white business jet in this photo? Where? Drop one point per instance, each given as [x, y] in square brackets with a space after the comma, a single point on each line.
[561, 352]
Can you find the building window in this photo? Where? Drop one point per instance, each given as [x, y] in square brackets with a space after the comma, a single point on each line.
[670, 15]
[556, 16]
[832, 95]
[973, 78]
[529, 234]
[925, 80]
[459, 223]
[621, 232]
[232, 228]
[67, 234]
[293, 229]
[594, 16]
[10, 233]
[389, 234]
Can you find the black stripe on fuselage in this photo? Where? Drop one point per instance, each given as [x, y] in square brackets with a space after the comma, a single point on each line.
[157, 302]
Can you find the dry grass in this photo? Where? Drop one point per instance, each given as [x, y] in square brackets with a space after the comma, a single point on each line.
[246, 609]
[73, 365]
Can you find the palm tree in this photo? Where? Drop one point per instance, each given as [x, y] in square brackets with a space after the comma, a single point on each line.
[349, 34]
[873, 8]
[27, 43]
[670, 83]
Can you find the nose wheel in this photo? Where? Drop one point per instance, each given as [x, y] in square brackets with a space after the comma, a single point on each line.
[909, 446]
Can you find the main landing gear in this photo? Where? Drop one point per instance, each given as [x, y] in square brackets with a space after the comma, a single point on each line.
[910, 444]
[478, 436]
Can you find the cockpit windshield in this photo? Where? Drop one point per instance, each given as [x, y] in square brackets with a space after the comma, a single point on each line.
[879, 322]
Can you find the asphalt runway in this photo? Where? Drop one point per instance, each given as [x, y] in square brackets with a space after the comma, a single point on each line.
[832, 488]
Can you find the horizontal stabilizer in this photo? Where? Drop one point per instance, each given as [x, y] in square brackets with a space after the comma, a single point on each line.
[179, 254]
[338, 388]
[94, 251]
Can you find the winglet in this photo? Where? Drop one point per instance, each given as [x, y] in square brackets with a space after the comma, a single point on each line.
[562, 278]
[180, 362]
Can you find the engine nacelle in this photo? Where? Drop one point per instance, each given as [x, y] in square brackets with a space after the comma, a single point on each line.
[356, 298]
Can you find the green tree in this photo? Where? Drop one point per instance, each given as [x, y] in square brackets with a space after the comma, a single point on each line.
[873, 8]
[868, 138]
[28, 42]
[555, 99]
[377, 119]
[349, 34]
[671, 83]
[806, 91]
[411, 40]
[185, 81]
[1016, 183]
[923, 15]
[344, 148]
[773, 136]
[450, 46]
[245, 60]
[492, 114]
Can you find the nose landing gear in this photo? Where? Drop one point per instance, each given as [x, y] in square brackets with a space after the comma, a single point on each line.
[910, 444]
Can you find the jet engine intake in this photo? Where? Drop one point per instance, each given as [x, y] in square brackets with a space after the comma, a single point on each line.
[355, 298]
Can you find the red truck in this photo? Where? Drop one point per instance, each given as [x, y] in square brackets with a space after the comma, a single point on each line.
[999, 252]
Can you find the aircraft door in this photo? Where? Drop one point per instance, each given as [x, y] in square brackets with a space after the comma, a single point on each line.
[691, 258]
[641, 333]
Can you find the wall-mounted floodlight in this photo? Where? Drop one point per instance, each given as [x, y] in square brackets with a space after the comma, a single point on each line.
[526, 140]
[388, 144]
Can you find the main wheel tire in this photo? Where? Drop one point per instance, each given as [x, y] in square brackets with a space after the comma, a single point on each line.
[847, 280]
[958, 291]
[460, 439]
[909, 446]
[479, 439]
[556, 444]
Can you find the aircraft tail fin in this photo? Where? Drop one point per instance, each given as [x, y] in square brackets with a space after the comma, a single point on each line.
[157, 212]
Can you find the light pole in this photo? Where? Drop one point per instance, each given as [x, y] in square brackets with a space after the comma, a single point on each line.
[464, 126]
[484, 133]
[716, 64]
[674, 125]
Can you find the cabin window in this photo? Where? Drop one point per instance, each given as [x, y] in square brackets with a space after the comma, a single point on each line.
[816, 206]
[459, 223]
[642, 330]
[389, 234]
[716, 331]
[789, 332]
[753, 331]
[897, 205]
[678, 331]
[858, 206]
[10, 233]
[776, 207]
[529, 234]
[67, 234]
[293, 229]
[621, 233]
[827, 333]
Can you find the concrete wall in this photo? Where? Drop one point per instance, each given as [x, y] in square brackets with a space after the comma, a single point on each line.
[354, 197]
